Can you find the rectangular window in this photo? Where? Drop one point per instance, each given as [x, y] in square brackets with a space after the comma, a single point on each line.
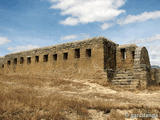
[9, 62]
[15, 61]
[77, 53]
[88, 53]
[2, 65]
[65, 56]
[133, 54]
[21, 60]
[28, 60]
[55, 57]
[36, 59]
[45, 58]
[123, 53]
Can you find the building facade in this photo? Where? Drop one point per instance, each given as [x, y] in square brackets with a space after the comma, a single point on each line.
[97, 58]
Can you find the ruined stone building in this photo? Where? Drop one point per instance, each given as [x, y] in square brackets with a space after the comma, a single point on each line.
[97, 59]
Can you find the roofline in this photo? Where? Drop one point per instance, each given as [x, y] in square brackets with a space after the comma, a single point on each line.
[127, 45]
[62, 44]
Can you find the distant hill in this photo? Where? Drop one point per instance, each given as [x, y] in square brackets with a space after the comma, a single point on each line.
[155, 66]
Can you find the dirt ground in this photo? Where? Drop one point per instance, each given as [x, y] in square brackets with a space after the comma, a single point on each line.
[35, 97]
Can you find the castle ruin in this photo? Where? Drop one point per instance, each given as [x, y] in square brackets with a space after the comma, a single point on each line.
[98, 59]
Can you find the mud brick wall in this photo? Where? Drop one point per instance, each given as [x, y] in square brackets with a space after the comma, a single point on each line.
[125, 56]
[82, 59]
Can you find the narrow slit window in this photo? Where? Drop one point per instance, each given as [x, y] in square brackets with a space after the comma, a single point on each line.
[15, 61]
[55, 57]
[36, 59]
[123, 53]
[65, 56]
[8, 62]
[77, 53]
[21, 60]
[28, 60]
[45, 58]
[88, 52]
[133, 54]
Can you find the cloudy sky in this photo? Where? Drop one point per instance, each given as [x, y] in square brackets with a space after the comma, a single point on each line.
[27, 24]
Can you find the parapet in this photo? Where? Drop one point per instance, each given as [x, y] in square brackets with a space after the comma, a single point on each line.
[61, 47]
[127, 46]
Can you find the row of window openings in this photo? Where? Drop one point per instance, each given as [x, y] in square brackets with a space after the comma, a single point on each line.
[123, 54]
[45, 57]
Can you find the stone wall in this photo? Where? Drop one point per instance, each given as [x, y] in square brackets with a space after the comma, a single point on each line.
[155, 76]
[82, 59]
[142, 67]
[133, 67]
[1, 61]
[1, 65]
[95, 59]
[125, 56]
[110, 58]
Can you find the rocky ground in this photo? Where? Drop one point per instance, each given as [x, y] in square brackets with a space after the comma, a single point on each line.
[33, 97]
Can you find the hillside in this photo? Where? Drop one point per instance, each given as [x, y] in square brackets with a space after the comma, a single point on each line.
[36, 97]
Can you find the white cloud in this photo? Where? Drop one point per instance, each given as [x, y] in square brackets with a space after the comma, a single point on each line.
[154, 54]
[147, 40]
[81, 36]
[153, 48]
[70, 21]
[84, 36]
[22, 48]
[140, 18]
[4, 40]
[87, 11]
[106, 26]
[69, 37]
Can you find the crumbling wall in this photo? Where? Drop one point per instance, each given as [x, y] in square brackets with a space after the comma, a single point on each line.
[155, 76]
[125, 55]
[95, 59]
[142, 67]
[83, 59]
[110, 59]
[1, 65]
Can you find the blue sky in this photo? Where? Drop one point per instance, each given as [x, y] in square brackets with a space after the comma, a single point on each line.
[27, 24]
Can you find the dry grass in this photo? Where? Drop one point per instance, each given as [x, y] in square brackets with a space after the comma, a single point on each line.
[153, 88]
[25, 104]
[20, 100]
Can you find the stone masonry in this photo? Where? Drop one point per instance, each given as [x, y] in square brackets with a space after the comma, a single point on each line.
[97, 59]
[155, 76]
